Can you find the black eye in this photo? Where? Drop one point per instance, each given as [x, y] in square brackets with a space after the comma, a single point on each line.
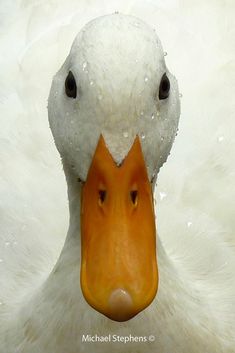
[70, 86]
[164, 88]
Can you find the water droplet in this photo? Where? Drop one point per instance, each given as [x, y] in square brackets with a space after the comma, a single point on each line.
[152, 117]
[7, 243]
[72, 121]
[220, 138]
[158, 113]
[125, 134]
[146, 79]
[162, 138]
[91, 83]
[189, 223]
[1, 303]
[162, 195]
[1, 260]
[141, 114]
[136, 60]
[100, 97]
[180, 95]
[70, 143]
[15, 243]
[136, 24]
[165, 53]
[142, 135]
[84, 65]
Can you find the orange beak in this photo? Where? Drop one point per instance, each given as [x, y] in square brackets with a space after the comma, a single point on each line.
[119, 275]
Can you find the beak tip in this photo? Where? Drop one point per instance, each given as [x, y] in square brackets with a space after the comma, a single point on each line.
[121, 306]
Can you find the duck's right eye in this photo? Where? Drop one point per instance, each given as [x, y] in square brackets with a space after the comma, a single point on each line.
[164, 89]
[70, 86]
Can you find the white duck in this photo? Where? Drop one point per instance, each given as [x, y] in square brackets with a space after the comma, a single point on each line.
[115, 100]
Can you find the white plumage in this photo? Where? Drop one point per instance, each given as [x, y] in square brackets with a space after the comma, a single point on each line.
[194, 310]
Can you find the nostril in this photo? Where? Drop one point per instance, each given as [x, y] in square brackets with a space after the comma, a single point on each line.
[134, 197]
[102, 196]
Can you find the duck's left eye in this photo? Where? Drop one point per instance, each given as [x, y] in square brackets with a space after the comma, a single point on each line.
[70, 86]
[164, 89]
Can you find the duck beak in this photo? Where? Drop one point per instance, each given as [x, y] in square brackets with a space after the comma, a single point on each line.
[119, 275]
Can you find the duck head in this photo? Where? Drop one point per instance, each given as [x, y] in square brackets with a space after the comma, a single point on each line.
[114, 111]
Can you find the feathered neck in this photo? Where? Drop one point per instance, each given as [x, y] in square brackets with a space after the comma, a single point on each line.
[56, 315]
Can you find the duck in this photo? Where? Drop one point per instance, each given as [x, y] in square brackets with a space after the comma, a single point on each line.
[114, 111]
